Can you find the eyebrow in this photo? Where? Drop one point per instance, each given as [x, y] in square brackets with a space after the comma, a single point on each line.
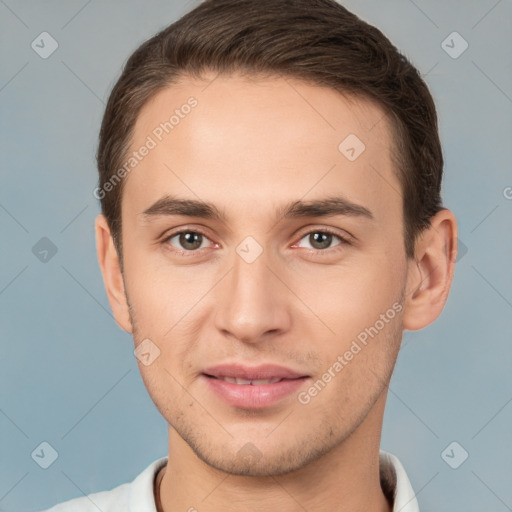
[330, 206]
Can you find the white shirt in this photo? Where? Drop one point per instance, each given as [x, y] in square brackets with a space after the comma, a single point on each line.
[137, 496]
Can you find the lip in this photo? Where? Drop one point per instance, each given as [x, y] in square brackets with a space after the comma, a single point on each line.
[264, 371]
[249, 396]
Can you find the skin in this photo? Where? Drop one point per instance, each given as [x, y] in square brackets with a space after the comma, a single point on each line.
[250, 147]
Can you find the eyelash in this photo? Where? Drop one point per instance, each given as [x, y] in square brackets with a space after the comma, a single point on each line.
[320, 252]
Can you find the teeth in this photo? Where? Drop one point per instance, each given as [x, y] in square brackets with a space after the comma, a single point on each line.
[255, 382]
[264, 381]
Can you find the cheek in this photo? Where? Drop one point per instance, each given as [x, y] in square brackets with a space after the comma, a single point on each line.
[162, 385]
[347, 299]
[160, 294]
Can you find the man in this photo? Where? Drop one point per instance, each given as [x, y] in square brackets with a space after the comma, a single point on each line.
[270, 177]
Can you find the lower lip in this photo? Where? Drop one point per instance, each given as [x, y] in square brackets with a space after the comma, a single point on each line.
[248, 396]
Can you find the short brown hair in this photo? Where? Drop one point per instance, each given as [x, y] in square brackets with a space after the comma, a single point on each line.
[317, 41]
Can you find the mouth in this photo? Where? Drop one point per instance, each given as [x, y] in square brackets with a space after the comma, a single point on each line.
[249, 382]
[252, 387]
[243, 374]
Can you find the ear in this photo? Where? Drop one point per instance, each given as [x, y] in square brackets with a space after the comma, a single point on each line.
[430, 273]
[112, 275]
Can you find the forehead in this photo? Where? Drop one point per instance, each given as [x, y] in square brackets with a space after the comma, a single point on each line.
[226, 136]
[307, 111]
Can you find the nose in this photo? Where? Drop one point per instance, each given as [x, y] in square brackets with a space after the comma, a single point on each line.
[253, 303]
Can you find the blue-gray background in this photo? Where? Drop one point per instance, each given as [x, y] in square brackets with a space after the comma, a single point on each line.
[67, 372]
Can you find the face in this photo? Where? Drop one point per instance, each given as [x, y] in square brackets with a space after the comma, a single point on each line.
[295, 271]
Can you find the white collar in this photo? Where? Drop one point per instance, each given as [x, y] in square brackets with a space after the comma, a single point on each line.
[394, 476]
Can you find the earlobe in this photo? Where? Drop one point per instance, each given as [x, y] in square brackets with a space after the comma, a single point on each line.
[431, 272]
[108, 260]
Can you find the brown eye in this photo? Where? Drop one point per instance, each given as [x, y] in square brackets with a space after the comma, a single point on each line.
[187, 240]
[322, 240]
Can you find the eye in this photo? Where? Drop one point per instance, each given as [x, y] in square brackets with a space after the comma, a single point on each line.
[321, 240]
[188, 241]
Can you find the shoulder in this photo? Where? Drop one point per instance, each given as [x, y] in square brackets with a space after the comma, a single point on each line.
[136, 495]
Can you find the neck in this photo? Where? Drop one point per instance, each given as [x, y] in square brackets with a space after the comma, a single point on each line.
[346, 479]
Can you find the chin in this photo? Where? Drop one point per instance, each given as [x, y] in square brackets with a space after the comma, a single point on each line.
[250, 461]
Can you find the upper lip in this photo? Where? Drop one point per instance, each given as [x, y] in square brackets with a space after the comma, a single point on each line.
[264, 371]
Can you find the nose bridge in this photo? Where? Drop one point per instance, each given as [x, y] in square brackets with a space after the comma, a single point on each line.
[251, 274]
[253, 302]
